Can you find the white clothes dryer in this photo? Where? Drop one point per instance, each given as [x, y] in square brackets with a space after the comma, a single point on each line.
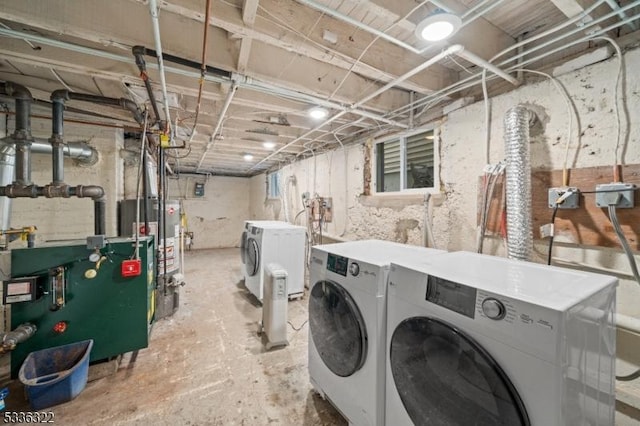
[279, 243]
[243, 237]
[481, 340]
[347, 323]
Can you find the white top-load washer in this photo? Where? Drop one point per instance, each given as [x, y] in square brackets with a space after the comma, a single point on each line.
[280, 243]
[483, 340]
[347, 323]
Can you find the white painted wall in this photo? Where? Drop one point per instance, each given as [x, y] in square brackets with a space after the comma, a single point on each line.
[72, 218]
[217, 219]
[462, 161]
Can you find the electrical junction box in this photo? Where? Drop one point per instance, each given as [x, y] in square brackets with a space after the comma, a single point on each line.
[564, 198]
[621, 195]
[198, 190]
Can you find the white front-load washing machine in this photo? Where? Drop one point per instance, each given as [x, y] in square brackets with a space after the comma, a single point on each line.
[481, 340]
[280, 243]
[243, 237]
[347, 323]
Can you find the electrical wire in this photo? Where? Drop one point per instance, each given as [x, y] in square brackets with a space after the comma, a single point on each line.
[613, 217]
[553, 231]
[366, 49]
[571, 110]
[299, 328]
[617, 160]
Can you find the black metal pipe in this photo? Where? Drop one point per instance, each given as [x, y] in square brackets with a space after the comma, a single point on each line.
[124, 103]
[182, 61]
[99, 215]
[23, 163]
[145, 188]
[138, 53]
[22, 134]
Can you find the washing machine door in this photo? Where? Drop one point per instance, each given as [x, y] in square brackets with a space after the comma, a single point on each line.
[337, 328]
[243, 247]
[252, 257]
[444, 377]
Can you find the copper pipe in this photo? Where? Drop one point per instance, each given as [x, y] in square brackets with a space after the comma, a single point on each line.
[203, 66]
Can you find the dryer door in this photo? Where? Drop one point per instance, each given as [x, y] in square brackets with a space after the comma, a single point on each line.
[243, 247]
[252, 257]
[444, 377]
[337, 328]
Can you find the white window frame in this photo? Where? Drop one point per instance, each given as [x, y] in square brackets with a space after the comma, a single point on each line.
[269, 183]
[403, 153]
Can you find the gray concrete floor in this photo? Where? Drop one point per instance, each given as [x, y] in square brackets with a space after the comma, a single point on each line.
[207, 365]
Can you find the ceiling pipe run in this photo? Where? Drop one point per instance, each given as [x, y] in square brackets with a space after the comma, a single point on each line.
[223, 113]
[153, 8]
[138, 54]
[243, 81]
[456, 49]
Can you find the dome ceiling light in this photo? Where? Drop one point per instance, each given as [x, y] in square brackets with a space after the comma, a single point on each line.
[438, 26]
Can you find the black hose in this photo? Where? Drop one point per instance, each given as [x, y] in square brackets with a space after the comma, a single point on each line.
[138, 54]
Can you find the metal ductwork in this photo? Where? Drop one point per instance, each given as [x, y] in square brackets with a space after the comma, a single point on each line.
[518, 182]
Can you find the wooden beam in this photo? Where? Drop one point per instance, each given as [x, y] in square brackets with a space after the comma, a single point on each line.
[61, 18]
[481, 37]
[249, 11]
[286, 27]
[243, 55]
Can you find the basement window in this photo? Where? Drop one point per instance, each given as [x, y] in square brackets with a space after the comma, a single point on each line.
[406, 163]
[273, 185]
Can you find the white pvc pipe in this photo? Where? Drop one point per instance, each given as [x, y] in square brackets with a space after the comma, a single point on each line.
[469, 81]
[475, 59]
[455, 49]
[616, 7]
[223, 112]
[628, 323]
[153, 8]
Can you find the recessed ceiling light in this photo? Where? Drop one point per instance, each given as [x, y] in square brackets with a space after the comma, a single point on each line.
[269, 145]
[247, 157]
[318, 113]
[438, 26]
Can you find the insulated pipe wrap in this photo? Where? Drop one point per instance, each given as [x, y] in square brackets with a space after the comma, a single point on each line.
[518, 183]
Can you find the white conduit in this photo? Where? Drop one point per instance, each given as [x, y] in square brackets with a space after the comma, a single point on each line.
[216, 129]
[518, 183]
[153, 7]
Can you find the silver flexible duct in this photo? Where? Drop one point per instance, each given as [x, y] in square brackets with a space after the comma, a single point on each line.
[518, 183]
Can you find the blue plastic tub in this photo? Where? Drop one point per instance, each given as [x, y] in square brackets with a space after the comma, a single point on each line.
[56, 375]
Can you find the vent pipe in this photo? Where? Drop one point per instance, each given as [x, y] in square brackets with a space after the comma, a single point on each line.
[518, 183]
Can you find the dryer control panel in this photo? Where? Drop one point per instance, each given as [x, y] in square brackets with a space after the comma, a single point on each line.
[337, 264]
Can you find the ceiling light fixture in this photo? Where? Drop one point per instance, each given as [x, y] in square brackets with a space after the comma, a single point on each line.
[318, 113]
[269, 145]
[247, 157]
[439, 25]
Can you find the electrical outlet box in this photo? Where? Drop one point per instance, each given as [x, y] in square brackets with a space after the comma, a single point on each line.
[621, 195]
[96, 242]
[327, 206]
[564, 198]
